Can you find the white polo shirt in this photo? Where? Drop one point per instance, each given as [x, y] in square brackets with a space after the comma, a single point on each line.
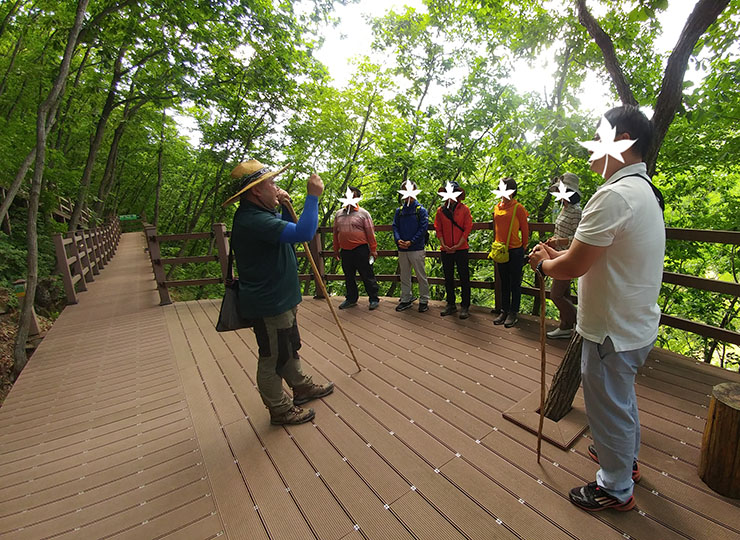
[618, 295]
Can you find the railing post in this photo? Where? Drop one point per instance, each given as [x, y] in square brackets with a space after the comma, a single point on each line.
[89, 276]
[63, 268]
[315, 246]
[107, 243]
[116, 233]
[78, 260]
[219, 233]
[101, 246]
[93, 248]
[156, 258]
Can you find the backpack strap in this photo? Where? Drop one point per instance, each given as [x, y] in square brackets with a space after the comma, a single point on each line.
[511, 225]
[658, 195]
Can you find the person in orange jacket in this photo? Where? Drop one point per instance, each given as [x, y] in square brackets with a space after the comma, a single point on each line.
[516, 236]
[453, 224]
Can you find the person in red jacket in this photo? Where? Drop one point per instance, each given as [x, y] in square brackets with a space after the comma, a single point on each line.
[453, 224]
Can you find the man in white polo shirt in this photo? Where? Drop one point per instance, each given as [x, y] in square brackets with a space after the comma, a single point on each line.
[618, 254]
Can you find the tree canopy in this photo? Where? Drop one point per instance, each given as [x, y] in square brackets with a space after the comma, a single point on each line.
[105, 129]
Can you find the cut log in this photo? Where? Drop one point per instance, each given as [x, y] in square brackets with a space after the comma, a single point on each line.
[565, 382]
[719, 466]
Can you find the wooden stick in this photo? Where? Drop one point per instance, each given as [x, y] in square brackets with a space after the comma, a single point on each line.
[543, 340]
[320, 281]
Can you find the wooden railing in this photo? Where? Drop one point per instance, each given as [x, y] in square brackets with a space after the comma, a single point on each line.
[219, 235]
[81, 254]
[64, 211]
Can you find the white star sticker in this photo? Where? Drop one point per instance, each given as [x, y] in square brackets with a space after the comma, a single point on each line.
[409, 191]
[349, 199]
[449, 194]
[562, 194]
[606, 145]
[502, 192]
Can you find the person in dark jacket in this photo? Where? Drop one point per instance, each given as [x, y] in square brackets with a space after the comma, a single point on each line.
[453, 224]
[410, 225]
[269, 290]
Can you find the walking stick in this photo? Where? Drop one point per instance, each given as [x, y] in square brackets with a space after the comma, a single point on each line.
[543, 340]
[323, 287]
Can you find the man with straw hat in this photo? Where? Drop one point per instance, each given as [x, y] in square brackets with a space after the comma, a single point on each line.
[269, 290]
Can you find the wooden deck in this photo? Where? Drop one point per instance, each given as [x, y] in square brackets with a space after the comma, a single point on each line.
[139, 421]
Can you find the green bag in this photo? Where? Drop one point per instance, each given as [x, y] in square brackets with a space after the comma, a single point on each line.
[500, 251]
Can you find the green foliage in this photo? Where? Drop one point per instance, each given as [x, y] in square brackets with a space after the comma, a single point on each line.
[433, 104]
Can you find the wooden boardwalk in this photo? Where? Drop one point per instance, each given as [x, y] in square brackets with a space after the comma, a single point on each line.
[139, 421]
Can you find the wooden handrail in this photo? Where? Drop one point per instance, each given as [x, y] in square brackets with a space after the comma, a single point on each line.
[221, 234]
[81, 255]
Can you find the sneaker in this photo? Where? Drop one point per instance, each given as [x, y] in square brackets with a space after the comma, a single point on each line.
[423, 307]
[449, 310]
[347, 304]
[511, 320]
[374, 304]
[636, 476]
[403, 306]
[592, 498]
[294, 415]
[304, 394]
[500, 319]
[559, 333]
[464, 313]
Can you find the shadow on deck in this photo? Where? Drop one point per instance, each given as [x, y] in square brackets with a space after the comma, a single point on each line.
[140, 421]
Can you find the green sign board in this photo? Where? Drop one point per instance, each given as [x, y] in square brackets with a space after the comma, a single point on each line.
[128, 217]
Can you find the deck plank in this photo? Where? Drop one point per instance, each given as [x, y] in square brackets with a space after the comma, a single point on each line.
[134, 420]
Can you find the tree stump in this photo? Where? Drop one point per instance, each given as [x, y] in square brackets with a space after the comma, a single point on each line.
[565, 382]
[720, 449]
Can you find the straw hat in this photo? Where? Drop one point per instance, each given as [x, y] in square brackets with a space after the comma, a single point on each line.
[251, 173]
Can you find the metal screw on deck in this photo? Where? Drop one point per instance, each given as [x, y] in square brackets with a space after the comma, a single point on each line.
[20, 291]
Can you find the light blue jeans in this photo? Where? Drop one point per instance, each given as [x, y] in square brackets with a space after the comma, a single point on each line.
[611, 408]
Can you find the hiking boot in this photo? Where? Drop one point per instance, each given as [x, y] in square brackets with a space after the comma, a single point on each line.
[593, 498]
[347, 304]
[423, 306]
[636, 476]
[304, 394]
[294, 415]
[560, 333]
[500, 319]
[511, 320]
[449, 310]
[464, 313]
[403, 306]
[374, 304]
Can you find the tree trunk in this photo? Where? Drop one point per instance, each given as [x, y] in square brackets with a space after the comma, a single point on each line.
[97, 141]
[46, 111]
[17, 47]
[159, 169]
[671, 92]
[566, 381]
[719, 465]
[9, 16]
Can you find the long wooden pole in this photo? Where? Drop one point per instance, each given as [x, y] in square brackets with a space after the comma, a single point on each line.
[320, 281]
[543, 342]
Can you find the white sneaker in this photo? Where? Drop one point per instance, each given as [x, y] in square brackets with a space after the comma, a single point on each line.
[560, 334]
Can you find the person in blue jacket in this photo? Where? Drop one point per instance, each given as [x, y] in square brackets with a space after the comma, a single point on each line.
[410, 225]
[269, 290]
